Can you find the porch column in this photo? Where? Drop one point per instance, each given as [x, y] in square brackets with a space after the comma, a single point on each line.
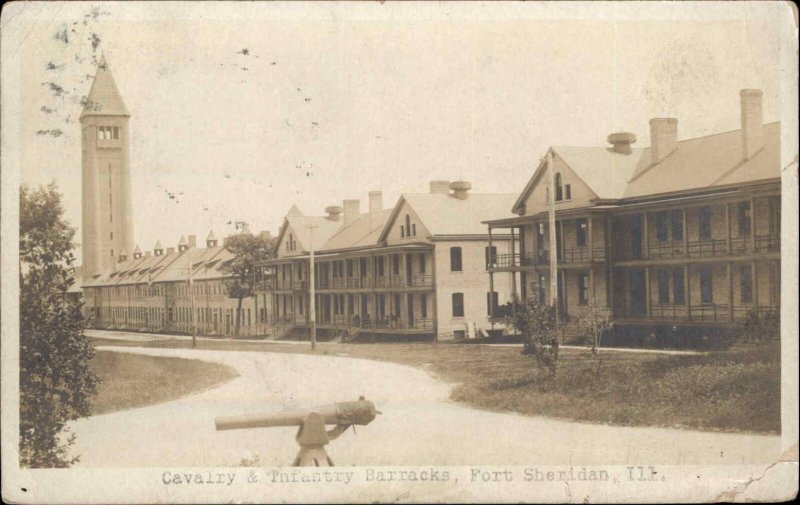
[609, 265]
[513, 263]
[728, 227]
[730, 285]
[688, 291]
[685, 225]
[513, 247]
[590, 241]
[489, 256]
[753, 227]
[645, 238]
[754, 269]
[647, 288]
[489, 267]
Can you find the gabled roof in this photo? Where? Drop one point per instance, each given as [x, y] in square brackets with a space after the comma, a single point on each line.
[698, 163]
[445, 215]
[324, 228]
[705, 162]
[104, 98]
[172, 267]
[363, 232]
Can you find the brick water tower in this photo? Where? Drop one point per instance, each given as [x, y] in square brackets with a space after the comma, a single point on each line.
[107, 221]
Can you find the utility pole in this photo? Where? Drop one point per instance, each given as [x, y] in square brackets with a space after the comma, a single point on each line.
[312, 303]
[553, 239]
[191, 297]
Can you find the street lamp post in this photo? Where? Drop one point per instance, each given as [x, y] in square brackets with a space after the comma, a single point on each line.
[312, 304]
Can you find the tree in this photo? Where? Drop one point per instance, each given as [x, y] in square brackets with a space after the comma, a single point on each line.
[592, 324]
[56, 382]
[246, 249]
[536, 323]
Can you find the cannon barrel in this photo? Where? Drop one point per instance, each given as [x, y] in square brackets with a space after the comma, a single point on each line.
[360, 412]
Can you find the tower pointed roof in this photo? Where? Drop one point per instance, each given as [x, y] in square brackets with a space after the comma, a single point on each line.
[211, 235]
[183, 241]
[294, 211]
[104, 98]
[136, 250]
[158, 245]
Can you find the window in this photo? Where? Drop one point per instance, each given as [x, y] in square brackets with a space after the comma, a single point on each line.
[423, 305]
[458, 304]
[491, 302]
[581, 231]
[567, 192]
[459, 334]
[746, 284]
[661, 227]
[402, 231]
[396, 311]
[663, 286]
[704, 222]
[422, 266]
[744, 218]
[706, 286]
[491, 256]
[408, 224]
[583, 288]
[455, 259]
[396, 264]
[413, 229]
[380, 266]
[559, 189]
[676, 220]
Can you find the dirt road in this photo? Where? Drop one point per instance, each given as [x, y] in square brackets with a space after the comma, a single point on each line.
[419, 426]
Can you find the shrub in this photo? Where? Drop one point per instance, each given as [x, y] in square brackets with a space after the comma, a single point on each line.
[536, 322]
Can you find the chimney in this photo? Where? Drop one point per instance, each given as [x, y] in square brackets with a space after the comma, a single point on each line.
[334, 212]
[265, 234]
[147, 254]
[752, 122]
[439, 187]
[375, 201]
[461, 189]
[211, 239]
[192, 240]
[351, 211]
[663, 137]
[170, 250]
[622, 142]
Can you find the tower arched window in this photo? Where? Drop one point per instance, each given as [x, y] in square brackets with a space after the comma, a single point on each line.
[408, 225]
[559, 188]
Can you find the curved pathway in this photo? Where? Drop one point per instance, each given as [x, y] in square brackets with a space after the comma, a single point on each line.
[418, 425]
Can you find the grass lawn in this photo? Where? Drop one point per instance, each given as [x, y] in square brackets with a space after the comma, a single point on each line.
[734, 390]
[132, 380]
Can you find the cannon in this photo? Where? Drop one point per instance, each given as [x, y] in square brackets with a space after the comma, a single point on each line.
[312, 436]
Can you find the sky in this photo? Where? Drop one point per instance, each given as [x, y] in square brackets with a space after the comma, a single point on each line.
[240, 111]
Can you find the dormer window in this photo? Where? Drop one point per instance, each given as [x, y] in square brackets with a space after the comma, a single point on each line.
[107, 133]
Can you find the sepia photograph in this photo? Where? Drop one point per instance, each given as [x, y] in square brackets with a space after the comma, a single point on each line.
[423, 252]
